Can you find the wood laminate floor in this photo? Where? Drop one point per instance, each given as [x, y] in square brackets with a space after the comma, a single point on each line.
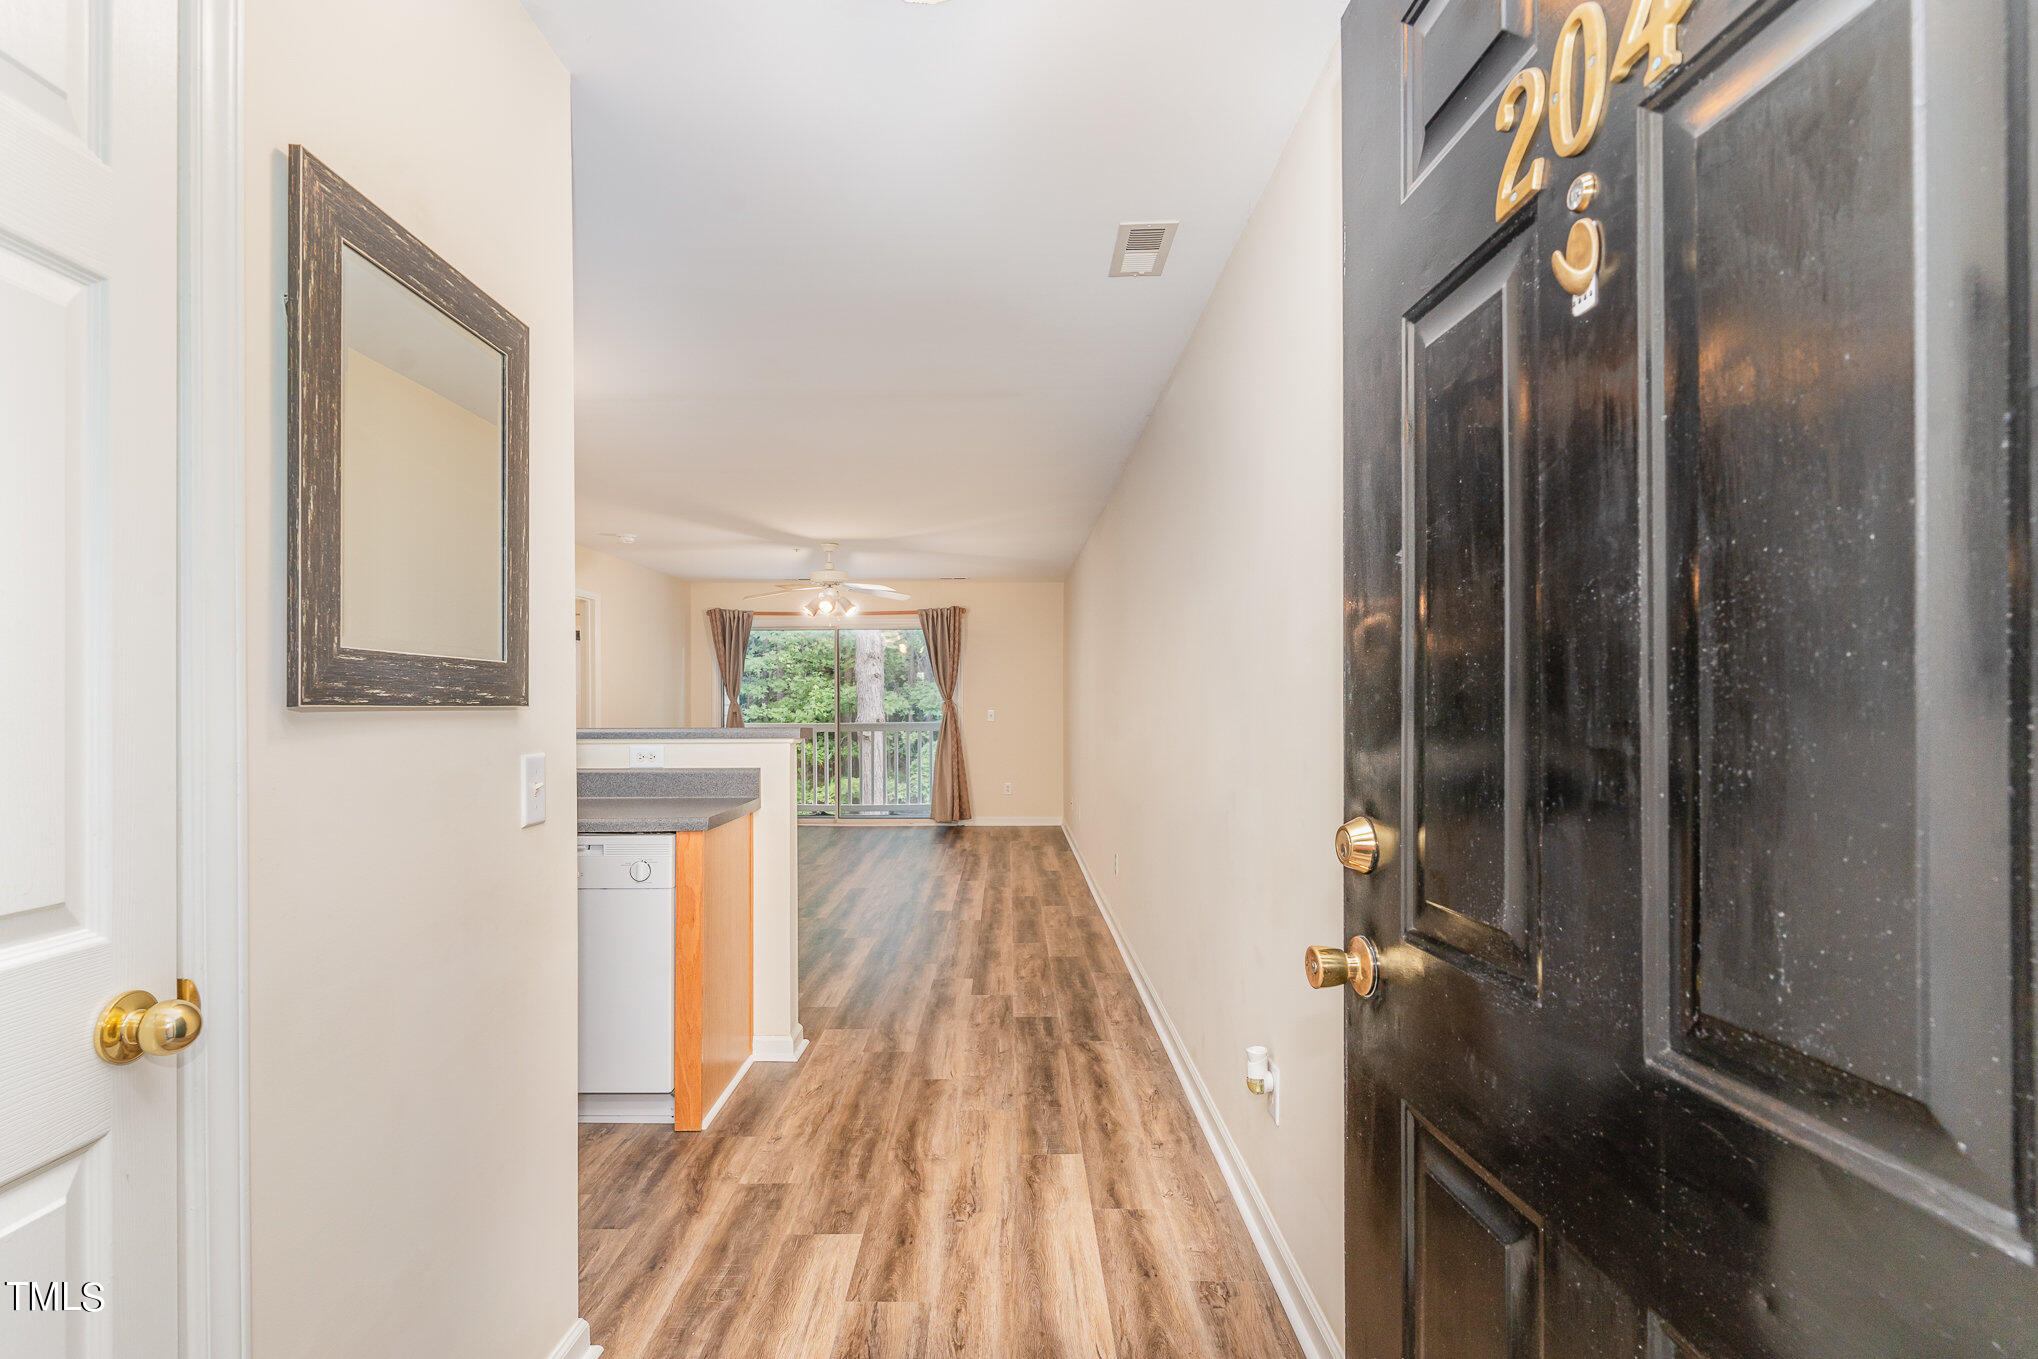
[984, 1152]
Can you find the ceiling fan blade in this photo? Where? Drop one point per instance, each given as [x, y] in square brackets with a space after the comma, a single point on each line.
[773, 594]
[885, 590]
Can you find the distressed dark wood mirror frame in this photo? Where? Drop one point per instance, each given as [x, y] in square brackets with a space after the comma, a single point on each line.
[327, 213]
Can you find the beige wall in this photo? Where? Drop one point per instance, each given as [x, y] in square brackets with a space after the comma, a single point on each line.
[413, 1172]
[1011, 665]
[420, 518]
[1205, 726]
[641, 640]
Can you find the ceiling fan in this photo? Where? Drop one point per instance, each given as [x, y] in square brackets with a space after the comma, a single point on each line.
[833, 593]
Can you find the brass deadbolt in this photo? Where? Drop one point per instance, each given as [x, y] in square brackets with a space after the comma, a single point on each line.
[1359, 966]
[1364, 844]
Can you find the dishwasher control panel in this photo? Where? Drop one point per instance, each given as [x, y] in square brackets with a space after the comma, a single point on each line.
[626, 862]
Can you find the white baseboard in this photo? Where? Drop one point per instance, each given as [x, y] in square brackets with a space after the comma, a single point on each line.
[1313, 1329]
[778, 1048]
[744, 1070]
[612, 1108]
[577, 1343]
[922, 823]
[626, 1109]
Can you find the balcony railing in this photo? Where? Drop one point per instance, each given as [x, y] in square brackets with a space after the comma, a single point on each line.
[868, 769]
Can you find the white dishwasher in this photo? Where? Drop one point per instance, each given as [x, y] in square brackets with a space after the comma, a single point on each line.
[626, 962]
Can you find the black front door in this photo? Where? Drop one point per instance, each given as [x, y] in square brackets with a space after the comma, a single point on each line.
[1688, 657]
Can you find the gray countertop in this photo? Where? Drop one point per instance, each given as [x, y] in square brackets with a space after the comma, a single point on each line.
[758, 733]
[659, 815]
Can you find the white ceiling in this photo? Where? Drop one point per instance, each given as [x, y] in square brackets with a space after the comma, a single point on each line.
[840, 264]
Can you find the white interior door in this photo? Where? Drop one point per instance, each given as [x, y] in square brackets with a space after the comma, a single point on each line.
[88, 778]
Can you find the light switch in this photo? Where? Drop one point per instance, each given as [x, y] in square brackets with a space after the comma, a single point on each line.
[533, 789]
[647, 757]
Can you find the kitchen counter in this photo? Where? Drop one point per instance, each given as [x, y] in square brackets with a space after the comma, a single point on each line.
[660, 815]
[757, 733]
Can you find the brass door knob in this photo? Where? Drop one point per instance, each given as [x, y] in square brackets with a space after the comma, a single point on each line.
[137, 1022]
[1364, 844]
[1359, 965]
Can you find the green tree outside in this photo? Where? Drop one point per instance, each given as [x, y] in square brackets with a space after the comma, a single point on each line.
[801, 675]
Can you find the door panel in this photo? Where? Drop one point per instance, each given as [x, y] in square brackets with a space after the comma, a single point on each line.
[1475, 820]
[1473, 1270]
[88, 606]
[1688, 650]
[1460, 52]
[1832, 590]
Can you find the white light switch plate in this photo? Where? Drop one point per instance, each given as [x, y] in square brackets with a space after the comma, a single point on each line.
[647, 757]
[532, 791]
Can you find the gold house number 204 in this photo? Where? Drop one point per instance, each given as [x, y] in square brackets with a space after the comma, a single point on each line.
[1575, 91]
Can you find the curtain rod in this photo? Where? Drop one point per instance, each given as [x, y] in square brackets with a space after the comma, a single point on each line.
[860, 613]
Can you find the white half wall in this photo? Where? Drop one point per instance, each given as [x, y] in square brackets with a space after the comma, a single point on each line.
[1205, 717]
[775, 866]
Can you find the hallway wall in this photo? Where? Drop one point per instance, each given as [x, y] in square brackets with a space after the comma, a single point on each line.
[413, 1172]
[641, 640]
[1205, 719]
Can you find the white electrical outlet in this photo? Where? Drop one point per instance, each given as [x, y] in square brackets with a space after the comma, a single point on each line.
[1008, 787]
[1274, 1078]
[990, 714]
[531, 789]
[1114, 865]
[647, 757]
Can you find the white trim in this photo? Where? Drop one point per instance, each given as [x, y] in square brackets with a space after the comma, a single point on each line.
[593, 660]
[773, 1048]
[212, 1115]
[921, 822]
[577, 1343]
[611, 1108]
[708, 1119]
[626, 1109]
[1313, 1329]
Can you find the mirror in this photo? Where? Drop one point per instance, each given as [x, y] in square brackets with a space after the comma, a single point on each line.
[421, 503]
[409, 447]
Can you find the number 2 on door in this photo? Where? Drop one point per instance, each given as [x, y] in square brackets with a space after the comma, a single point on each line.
[1651, 31]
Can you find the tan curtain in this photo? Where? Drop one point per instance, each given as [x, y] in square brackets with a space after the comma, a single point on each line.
[943, 631]
[731, 630]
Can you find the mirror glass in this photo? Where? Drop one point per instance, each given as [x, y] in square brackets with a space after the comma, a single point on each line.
[422, 499]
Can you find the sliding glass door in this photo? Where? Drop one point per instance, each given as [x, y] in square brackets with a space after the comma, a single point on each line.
[868, 699]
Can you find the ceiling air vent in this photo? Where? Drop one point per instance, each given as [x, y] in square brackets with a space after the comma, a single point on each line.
[1142, 249]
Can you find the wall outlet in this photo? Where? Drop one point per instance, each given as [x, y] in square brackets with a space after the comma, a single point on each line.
[1114, 865]
[531, 788]
[647, 757]
[1008, 787]
[990, 714]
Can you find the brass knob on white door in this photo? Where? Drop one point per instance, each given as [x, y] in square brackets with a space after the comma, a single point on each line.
[1359, 965]
[1364, 844]
[136, 1022]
